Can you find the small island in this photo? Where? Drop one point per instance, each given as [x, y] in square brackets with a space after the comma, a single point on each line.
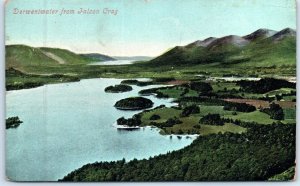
[130, 123]
[13, 122]
[118, 88]
[137, 82]
[134, 103]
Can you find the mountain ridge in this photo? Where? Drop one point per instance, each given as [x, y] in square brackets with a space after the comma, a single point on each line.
[20, 55]
[261, 47]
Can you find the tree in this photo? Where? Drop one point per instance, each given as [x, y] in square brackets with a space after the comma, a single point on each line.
[193, 109]
[212, 119]
[275, 111]
[154, 117]
[201, 87]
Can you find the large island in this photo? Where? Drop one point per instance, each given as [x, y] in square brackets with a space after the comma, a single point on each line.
[134, 103]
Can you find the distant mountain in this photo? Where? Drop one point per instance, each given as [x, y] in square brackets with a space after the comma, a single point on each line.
[228, 40]
[203, 43]
[260, 34]
[99, 57]
[133, 58]
[288, 32]
[263, 47]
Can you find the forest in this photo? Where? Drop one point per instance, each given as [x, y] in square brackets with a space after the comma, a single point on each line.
[260, 153]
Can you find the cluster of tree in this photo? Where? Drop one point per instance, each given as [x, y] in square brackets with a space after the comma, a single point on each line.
[184, 92]
[212, 119]
[241, 123]
[169, 123]
[161, 95]
[240, 107]
[130, 81]
[13, 122]
[264, 85]
[200, 100]
[164, 79]
[136, 82]
[131, 122]
[118, 88]
[25, 85]
[144, 83]
[256, 155]
[11, 72]
[201, 87]
[134, 103]
[281, 96]
[192, 109]
[275, 111]
[14, 72]
[289, 174]
[154, 117]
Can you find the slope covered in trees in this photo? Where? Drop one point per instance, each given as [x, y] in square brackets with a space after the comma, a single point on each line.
[260, 153]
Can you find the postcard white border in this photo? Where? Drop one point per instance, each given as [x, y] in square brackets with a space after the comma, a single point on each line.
[4, 182]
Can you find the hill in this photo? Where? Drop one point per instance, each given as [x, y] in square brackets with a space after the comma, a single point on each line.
[262, 48]
[260, 34]
[22, 55]
[99, 57]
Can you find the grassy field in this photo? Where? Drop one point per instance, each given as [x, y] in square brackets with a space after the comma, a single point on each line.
[255, 116]
[188, 123]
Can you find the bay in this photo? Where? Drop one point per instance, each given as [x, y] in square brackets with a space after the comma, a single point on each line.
[71, 124]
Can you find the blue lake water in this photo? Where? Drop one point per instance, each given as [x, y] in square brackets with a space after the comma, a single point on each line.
[69, 125]
[116, 62]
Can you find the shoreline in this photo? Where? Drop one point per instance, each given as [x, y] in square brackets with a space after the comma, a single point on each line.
[124, 77]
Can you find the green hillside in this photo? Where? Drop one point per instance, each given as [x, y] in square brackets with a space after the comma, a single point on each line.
[235, 51]
[20, 56]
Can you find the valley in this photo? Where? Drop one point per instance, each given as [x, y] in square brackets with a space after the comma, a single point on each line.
[233, 92]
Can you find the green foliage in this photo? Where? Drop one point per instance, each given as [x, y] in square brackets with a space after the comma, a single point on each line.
[22, 55]
[212, 119]
[265, 85]
[13, 122]
[137, 82]
[130, 81]
[169, 123]
[240, 107]
[154, 117]
[118, 88]
[260, 153]
[134, 103]
[18, 80]
[289, 174]
[258, 53]
[275, 111]
[131, 122]
[192, 109]
[201, 87]
[164, 79]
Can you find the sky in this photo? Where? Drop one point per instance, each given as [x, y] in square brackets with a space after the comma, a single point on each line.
[140, 27]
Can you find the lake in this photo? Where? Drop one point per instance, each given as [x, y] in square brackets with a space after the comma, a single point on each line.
[115, 62]
[69, 125]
